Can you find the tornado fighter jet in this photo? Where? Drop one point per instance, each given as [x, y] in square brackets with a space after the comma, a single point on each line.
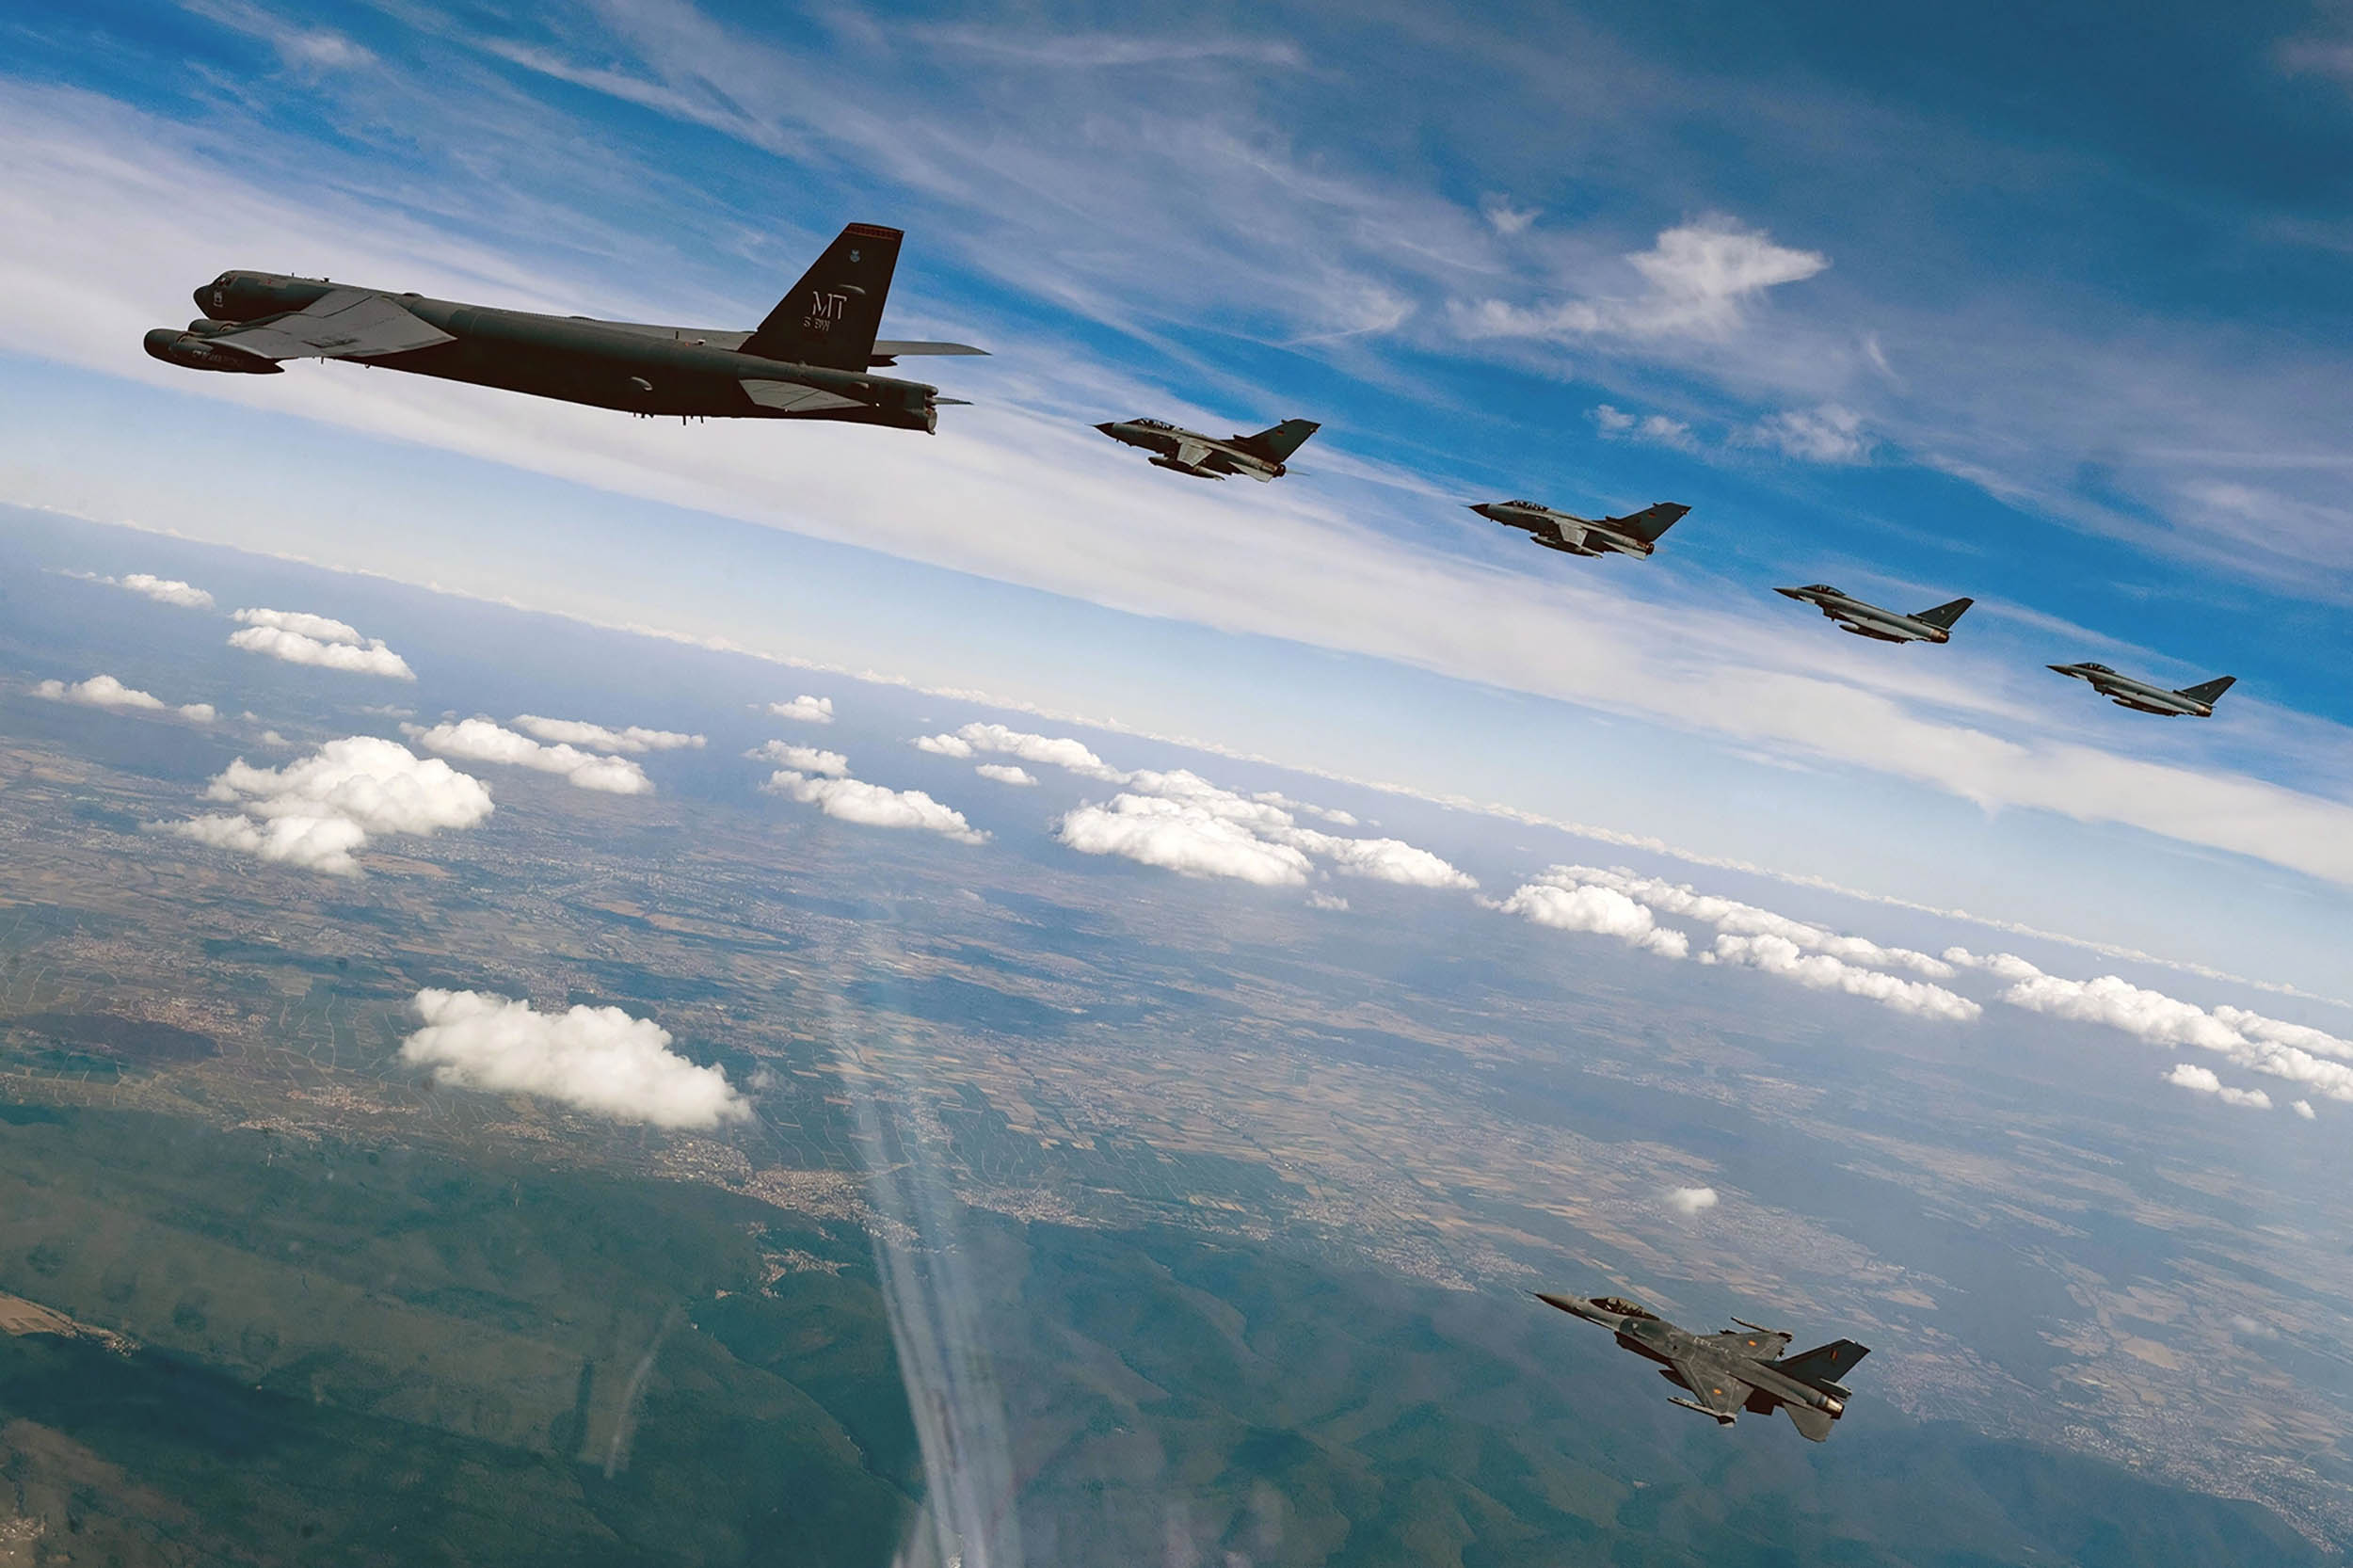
[812, 358]
[1636, 534]
[1261, 457]
[2193, 702]
[1740, 1368]
[1865, 619]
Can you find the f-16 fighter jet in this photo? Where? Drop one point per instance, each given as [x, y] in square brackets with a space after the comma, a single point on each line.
[1261, 457]
[1636, 534]
[1865, 619]
[812, 358]
[1741, 1369]
[2195, 702]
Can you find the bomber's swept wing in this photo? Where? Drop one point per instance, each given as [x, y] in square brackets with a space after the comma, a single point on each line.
[1717, 1394]
[790, 397]
[347, 323]
[1189, 453]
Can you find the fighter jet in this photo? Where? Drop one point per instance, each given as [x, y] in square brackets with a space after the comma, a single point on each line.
[1636, 534]
[2195, 702]
[812, 358]
[1261, 457]
[1738, 1369]
[1865, 619]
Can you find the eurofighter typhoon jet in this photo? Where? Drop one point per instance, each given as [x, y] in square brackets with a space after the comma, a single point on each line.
[1261, 457]
[1636, 534]
[1738, 1369]
[2192, 702]
[1865, 619]
[812, 358]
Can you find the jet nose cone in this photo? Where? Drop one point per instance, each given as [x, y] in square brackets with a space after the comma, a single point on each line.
[1109, 428]
[1566, 1304]
[2059, 669]
[1790, 593]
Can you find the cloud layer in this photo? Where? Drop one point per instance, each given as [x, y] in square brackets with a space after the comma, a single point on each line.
[593, 1058]
[104, 691]
[319, 810]
[479, 739]
[300, 637]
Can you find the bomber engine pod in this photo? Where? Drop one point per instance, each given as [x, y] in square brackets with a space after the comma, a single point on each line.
[191, 352]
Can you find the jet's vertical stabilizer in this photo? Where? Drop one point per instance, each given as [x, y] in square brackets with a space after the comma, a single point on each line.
[1277, 444]
[2208, 691]
[1945, 614]
[1651, 521]
[831, 315]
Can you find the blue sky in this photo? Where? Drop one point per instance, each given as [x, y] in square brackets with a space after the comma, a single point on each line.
[1990, 305]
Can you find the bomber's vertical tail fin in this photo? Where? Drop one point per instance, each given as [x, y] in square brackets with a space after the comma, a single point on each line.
[1824, 1364]
[1651, 521]
[1945, 614]
[1277, 444]
[831, 315]
[2207, 691]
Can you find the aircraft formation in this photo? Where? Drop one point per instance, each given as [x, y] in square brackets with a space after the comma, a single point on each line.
[814, 357]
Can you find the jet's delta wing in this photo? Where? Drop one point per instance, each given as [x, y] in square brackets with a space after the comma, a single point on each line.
[813, 358]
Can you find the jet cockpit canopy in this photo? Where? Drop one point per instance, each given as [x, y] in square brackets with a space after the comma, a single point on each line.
[1622, 1307]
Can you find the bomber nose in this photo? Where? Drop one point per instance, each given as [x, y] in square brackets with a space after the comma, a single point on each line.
[1109, 428]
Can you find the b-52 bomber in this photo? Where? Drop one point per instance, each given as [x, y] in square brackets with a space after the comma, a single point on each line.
[1865, 619]
[1738, 1369]
[1636, 534]
[812, 358]
[1261, 457]
[2192, 702]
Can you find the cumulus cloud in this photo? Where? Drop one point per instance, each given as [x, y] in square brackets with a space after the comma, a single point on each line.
[1829, 434]
[104, 691]
[805, 709]
[1821, 971]
[2303, 1109]
[876, 805]
[1691, 1200]
[300, 637]
[319, 810]
[1322, 900]
[1005, 772]
[2203, 1080]
[2295, 1052]
[479, 739]
[593, 1058]
[802, 759]
[162, 590]
[1566, 905]
[597, 737]
[1747, 920]
[1183, 838]
[1701, 281]
[1001, 739]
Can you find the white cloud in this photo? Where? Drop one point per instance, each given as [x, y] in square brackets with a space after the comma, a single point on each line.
[1505, 218]
[595, 1059]
[319, 810]
[162, 590]
[1703, 277]
[104, 691]
[802, 759]
[1747, 920]
[1184, 837]
[1005, 772]
[479, 739]
[300, 637]
[1382, 859]
[1829, 434]
[1691, 1200]
[1573, 906]
[1046, 750]
[2293, 1052]
[805, 709]
[1821, 971]
[854, 800]
[1617, 424]
[597, 737]
[2204, 1082]
[2303, 1109]
[2002, 966]
[1322, 900]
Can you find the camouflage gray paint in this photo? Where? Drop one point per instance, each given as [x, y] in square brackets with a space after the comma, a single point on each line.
[1737, 1369]
[1636, 534]
[2193, 702]
[1865, 619]
[1261, 457]
[812, 358]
